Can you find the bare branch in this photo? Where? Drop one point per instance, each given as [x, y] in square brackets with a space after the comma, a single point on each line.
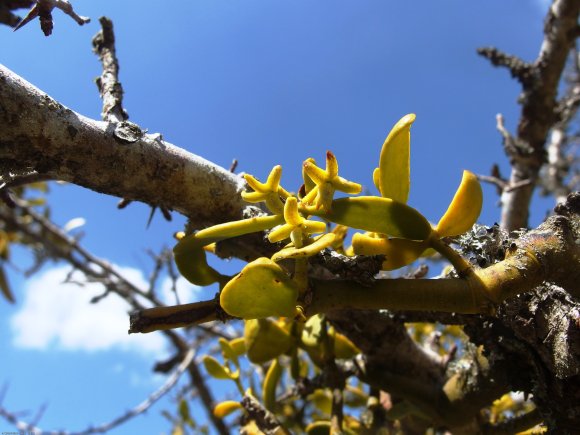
[6, 8]
[518, 68]
[43, 10]
[561, 156]
[56, 142]
[110, 88]
[539, 81]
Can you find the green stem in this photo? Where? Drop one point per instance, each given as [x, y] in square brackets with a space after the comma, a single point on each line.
[461, 265]
[479, 292]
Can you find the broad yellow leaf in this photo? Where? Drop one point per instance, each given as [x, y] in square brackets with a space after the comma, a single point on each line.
[265, 340]
[262, 289]
[464, 208]
[397, 252]
[225, 408]
[215, 369]
[394, 163]
[379, 215]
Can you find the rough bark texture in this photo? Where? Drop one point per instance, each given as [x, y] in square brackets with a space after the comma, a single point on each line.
[535, 337]
[113, 158]
[539, 106]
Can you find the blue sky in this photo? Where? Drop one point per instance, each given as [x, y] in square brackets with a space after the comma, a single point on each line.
[266, 82]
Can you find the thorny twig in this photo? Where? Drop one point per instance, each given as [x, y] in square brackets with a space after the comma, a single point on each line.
[108, 83]
[539, 80]
[6, 8]
[111, 92]
[43, 10]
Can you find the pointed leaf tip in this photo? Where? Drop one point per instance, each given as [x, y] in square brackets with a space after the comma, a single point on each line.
[393, 175]
[464, 208]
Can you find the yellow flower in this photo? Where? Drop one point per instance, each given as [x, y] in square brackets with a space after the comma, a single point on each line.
[327, 182]
[296, 226]
[268, 192]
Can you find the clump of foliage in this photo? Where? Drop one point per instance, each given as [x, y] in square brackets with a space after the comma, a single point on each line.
[272, 295]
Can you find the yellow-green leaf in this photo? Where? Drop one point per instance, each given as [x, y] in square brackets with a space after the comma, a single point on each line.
[397, 252]
[464, 208]
[191, 261]
[238, 346]
[262, 289]
[394, 162]
[239, 228]
[343, 347]
[225, 408]
[265, 340]
[189, 252]
[228, 351]
[271, 381]
[312, 331]
[184, 412]
[379, 215]
[215, 369]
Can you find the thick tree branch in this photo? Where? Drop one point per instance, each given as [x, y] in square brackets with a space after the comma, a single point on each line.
[540, 85]
[40, 135]
[536, 257]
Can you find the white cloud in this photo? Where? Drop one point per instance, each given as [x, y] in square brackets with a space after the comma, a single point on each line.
[186, 292]
[57, 315]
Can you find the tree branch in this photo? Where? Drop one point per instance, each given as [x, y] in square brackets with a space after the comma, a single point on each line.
[110, 87]
[540, 85]
[56, 142]
[6, 7]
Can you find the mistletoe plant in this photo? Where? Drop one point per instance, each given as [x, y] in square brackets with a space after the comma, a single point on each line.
[400, 233]
[283, 303]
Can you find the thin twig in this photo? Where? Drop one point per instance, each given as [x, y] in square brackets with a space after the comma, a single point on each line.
[110, 87]
[502, 184]
[43, 10]
[6, 15]
[560, 158]
[540, 81]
